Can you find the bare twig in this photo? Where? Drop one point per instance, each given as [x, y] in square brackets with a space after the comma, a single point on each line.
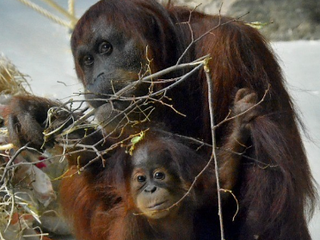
[12, 160]
[235, 198]
[213, 153]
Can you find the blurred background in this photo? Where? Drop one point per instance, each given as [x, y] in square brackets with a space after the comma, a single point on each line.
[38, 44]
[286, 19]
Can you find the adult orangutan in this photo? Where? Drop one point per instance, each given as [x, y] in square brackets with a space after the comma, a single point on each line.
[117, 42]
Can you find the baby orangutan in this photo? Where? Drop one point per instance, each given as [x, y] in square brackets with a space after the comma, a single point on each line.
[157, 191]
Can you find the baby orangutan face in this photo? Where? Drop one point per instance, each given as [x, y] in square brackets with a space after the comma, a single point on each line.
[156, 184]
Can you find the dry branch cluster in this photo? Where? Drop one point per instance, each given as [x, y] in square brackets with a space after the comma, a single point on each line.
[29, 177]
[26, 189]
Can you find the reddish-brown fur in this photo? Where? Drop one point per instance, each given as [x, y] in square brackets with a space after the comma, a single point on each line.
[113, 213]
[274, 189]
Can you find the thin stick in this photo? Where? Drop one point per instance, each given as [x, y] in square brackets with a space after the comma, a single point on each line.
[213, 153]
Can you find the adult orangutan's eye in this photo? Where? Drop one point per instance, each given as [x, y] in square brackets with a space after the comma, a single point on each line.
[87, 60]
[105, 48]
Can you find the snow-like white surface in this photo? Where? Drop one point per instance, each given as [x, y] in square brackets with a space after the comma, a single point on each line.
[40, 48]
[301, 64]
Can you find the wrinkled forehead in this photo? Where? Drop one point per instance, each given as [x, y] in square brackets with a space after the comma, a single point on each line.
[110, 16]
[98, 26]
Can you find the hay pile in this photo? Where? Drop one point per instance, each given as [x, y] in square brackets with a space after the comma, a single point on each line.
[12, 81]
[27, 194]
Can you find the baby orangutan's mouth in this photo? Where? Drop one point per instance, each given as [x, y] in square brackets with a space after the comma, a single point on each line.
[158, 205]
